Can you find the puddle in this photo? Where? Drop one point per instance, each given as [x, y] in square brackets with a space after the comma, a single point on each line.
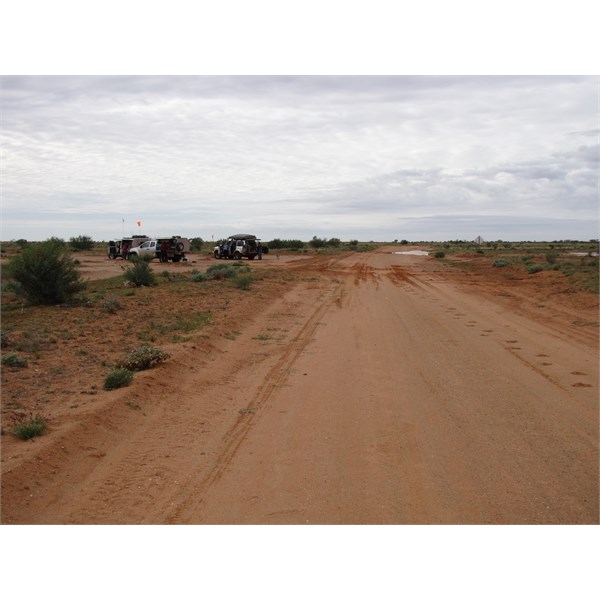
[414, 252]
[583, 254]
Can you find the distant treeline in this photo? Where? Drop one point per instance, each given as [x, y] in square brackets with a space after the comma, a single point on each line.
[315, 242]
[85, 242]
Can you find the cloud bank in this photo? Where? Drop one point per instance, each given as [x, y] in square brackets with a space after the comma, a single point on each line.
[365, 157]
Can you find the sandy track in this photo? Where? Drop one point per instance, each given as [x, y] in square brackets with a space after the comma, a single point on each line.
[384, 392]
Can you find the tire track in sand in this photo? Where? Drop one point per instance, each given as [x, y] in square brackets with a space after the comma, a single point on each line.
[190, 500]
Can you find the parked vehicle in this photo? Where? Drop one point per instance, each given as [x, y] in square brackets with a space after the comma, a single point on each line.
[164, 248]
[122, 248]
[239, 246]
[172, 248]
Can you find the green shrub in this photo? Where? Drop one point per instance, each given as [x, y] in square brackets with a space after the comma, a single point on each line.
[243, 282]
[500, 263]
[140, 273]
[46, 273]
[118, 378]
[201, 277]
[30, 427]
[13, 360]
[81, 242]
[278, 244]
[221, 271]
[196, 243]
[531, 269]
[145, 357]
[111, 304]
[440, 254]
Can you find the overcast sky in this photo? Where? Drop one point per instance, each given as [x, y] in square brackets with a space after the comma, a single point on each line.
[355, 157]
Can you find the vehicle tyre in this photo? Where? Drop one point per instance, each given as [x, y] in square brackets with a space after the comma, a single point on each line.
[179, 246]
[251, 257]
[217, 255]
[176, 258]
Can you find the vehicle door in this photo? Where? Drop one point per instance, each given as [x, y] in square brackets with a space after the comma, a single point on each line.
[147, 248]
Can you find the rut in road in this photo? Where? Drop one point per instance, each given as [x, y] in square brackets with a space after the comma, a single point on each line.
[416, 402]
[236, 434]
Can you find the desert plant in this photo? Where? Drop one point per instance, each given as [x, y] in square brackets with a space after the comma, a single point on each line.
[118, 378]
[531, 269]
[440, 254]
[221, 271]
[46, 273]
[243, 282]
[500, 263]
[82, 242]
[111, 304]
[27, 428]
[145, 357]
[14, 360]
[196, 243]
[140, 273]
[201, 277]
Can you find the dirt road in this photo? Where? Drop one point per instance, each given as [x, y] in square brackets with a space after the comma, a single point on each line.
[382, 390]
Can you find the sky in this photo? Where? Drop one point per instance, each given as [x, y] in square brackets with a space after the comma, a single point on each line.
[375, 157]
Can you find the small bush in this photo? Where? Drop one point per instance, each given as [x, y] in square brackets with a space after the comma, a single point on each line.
[31, 427]
[500, 263]
[111, 304]
[440, 254]
[221, 271]
[243, 282]
[140, 273]
[201, 277]
[143, 358]
[82, 242]
[531, 269]
[118, 378]
[4, 339]
[46, 273]
[13, 360]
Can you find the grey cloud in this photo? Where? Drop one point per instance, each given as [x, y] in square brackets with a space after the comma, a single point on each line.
[352, 151]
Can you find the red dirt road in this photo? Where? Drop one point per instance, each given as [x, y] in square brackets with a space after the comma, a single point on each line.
[387, 390]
